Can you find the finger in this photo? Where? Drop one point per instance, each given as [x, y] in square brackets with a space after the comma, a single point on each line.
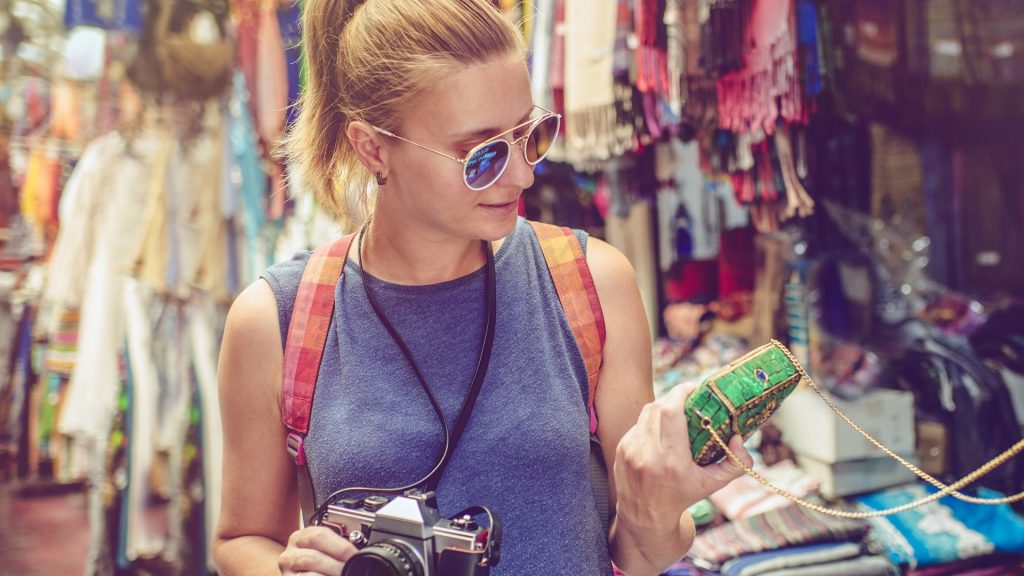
[651, 427]
[308, 560]
[674, 428]
[728, 469]
[326, 541]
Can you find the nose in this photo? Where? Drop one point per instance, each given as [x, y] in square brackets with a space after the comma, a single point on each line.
[519, 173]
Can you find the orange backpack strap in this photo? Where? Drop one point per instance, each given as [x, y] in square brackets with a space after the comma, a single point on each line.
[304, 349]
[575, 287]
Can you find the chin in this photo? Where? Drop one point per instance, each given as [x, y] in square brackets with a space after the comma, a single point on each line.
[494, 230]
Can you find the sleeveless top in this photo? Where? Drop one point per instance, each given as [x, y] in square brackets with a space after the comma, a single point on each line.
[525, 450]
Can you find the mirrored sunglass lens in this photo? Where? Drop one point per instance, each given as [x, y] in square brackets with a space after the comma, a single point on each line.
[486, 164]
[543, 135]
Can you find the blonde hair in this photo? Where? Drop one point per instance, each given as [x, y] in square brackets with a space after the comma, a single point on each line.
[366, 60]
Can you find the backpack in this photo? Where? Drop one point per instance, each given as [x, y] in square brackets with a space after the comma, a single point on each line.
[314, 310]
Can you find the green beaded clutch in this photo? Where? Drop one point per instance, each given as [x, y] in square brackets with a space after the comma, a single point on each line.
[739, 398]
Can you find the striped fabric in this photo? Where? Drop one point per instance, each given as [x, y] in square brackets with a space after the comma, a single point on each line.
[307, 332]
[576, 291]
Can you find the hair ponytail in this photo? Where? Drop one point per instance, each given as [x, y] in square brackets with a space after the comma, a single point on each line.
[365, 60]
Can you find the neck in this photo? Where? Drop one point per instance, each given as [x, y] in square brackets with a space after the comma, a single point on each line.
[408, 255]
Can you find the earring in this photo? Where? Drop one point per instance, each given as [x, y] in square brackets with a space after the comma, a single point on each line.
[381, 179]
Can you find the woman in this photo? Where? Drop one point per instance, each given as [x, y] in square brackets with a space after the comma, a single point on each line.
[399, 93]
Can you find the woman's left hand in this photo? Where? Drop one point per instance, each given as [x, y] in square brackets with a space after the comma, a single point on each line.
[656, 478]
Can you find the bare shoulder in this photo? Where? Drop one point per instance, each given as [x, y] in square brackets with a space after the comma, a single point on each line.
[252, 339]
[613, 273]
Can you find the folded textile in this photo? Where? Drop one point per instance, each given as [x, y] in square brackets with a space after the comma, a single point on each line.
[995, 565]
[788, 558]
[862, 566]
[776, 529]
[943, 531]
[746, 497]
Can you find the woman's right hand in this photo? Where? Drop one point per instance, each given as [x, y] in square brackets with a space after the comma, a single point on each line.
[315, 550]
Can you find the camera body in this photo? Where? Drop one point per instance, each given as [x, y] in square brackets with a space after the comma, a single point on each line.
[406, 536]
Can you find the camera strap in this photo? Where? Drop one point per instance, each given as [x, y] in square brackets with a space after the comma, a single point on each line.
[451, 436]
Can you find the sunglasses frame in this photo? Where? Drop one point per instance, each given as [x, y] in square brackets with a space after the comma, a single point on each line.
[492, 140]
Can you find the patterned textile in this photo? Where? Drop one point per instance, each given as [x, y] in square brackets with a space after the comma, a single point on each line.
[796, 556]
[773, 530]
[943, 531]
[575, 286]
[746, 497]
[768, 84]
[995, 565]
[308, 331]
[60, 355]
[860, 566]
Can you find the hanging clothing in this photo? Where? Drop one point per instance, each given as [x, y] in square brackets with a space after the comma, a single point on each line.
[767, 87]
[124, 15]
[589, 88]
[116, 231]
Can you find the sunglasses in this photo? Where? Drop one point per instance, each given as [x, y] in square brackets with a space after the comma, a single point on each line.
[487, 161]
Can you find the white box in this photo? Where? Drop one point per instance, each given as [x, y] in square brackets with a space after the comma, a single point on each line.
[841, 479]
[812, 429]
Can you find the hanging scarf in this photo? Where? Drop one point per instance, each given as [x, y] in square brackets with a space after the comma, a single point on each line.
[807, 32]
[540, 57]
[699, 91]
[768, 85]
[589, 85]
[629, 118]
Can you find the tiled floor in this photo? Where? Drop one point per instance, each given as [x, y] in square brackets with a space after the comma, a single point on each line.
[42, 534]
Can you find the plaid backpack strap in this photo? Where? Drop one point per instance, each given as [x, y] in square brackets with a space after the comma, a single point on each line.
[303, 351]
[576, 291]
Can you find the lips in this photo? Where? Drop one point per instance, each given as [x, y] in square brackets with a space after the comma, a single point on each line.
[500, 205]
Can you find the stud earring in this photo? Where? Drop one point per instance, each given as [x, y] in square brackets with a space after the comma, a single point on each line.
[381, 178]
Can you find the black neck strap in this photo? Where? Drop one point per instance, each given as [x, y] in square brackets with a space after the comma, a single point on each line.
[452, 436]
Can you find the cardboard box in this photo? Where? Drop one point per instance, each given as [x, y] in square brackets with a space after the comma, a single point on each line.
[841, 479]
[933, 447]
[812, 429]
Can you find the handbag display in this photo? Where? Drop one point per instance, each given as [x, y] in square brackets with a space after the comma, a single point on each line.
[740, 397]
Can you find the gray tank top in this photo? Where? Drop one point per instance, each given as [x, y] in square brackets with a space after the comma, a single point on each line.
[524, 452]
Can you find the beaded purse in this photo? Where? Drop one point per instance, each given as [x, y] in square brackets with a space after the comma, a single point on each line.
[739, 398]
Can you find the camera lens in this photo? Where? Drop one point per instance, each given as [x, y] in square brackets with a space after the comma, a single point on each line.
[383, 559]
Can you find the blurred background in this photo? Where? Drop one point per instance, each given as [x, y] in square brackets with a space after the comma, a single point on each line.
[844, 175]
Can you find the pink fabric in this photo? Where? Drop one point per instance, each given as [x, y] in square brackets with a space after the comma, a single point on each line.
[272, 72]
[768, 84]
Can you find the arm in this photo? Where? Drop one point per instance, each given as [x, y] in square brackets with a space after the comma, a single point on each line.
[259, 514]
[654, 479]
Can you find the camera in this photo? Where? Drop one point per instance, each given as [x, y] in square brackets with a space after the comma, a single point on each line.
[406, 536]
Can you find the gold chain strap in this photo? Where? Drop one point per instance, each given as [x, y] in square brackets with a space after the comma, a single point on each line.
[944, 490]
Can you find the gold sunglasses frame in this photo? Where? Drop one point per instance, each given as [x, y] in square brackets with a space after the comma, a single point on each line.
[532, 121]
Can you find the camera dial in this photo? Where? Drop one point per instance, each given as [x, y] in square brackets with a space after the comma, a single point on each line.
[384, 559]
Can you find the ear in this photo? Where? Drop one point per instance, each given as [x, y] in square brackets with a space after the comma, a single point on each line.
[369, 147]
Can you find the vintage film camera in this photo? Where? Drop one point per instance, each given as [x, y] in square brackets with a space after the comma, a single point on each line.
[406, 536]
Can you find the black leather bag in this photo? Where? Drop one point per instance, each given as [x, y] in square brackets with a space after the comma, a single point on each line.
[953, 386]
